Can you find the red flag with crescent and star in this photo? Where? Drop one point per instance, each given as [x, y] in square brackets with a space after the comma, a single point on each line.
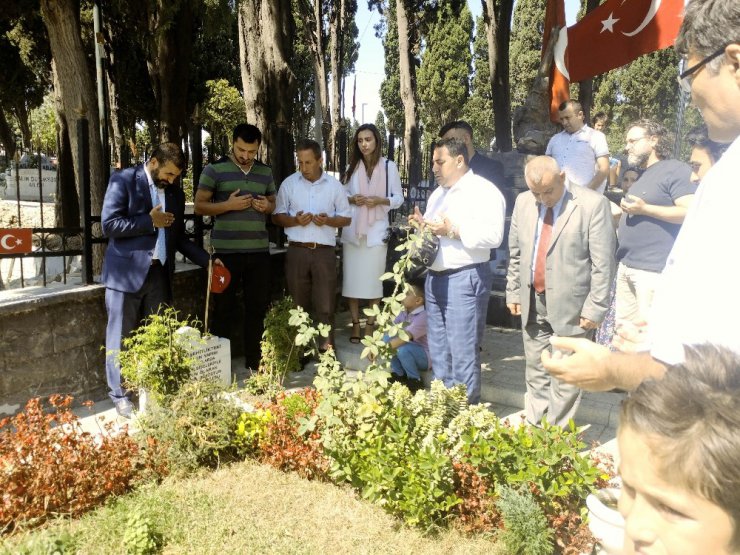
[618, 32]
[559, 85]
[16, 240]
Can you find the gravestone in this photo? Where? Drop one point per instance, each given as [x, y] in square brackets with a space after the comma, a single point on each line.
[212, 355]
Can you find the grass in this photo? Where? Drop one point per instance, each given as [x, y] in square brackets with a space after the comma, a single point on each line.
[250, 508]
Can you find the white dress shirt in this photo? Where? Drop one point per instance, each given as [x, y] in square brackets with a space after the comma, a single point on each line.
[576, 154]
[160, 246]
[696, 299]
[538, 232]
[325, 195]
[478, 210]
[377, 230]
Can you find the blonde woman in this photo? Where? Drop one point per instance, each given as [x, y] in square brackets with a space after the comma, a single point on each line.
[373, 188]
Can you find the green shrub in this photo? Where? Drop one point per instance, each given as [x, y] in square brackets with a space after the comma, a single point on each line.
[153, 359]
[197, 427]
[280, 354]
[525, 529]
[250, 431]
[43, 543]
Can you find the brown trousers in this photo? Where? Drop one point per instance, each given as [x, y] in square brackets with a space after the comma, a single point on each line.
[311, 275]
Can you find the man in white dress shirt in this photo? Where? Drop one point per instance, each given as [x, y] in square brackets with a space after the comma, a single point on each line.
[580, 151]
[311, 205]
[467, 213]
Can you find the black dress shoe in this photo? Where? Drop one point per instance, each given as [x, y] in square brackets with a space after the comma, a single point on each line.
[124, 407]
[414, 385]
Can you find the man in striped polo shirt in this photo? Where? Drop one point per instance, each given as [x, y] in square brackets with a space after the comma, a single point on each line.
[238, 191]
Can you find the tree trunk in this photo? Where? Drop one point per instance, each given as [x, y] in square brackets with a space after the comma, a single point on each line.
[6, 136]
[335, 30]
[497, 19]
[76, 90]
[21, 115]
[586, 87]
[114, 124]
[407, 73]
[68, 200]
[266, 35]
[314, 31]
[169, 69]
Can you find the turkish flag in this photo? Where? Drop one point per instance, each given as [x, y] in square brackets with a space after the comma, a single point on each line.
[220, 279]
[618, 32]
[16, 240]
[559, 84]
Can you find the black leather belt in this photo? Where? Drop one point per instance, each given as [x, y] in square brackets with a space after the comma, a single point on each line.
[309, 245]
[455, 270]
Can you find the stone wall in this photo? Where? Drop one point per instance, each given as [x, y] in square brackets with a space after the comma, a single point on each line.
[53, 343]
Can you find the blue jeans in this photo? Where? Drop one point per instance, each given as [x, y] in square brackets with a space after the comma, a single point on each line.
[456, 306]
[410, 359]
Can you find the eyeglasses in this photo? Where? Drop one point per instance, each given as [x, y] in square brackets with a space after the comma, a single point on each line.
[685, 79]
[635, 141]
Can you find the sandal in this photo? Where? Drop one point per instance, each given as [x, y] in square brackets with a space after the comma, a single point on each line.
[355, 337]
[369, 328]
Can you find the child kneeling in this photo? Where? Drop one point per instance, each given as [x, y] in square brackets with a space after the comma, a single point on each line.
[412, 356]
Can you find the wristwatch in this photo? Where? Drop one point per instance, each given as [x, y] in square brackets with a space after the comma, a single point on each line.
[452, 233]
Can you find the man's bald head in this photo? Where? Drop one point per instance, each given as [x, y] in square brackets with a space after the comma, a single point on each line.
[545, 179]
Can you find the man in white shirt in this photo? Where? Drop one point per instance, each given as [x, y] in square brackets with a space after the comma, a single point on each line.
[311, 205]
[694, 301]
[467, 213]
[580, 151]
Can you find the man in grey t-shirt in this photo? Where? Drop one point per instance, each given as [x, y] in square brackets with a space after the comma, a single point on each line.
[653, 212]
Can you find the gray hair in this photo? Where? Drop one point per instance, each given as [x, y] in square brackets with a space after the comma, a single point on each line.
[691, 419]
[538, 167]
[707, 26]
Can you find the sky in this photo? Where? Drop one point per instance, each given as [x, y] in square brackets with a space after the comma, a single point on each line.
[370, 66]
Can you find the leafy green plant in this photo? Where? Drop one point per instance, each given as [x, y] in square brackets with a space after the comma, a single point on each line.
[279, 352]
[525, 530]
[196, 428]
[153, 358]
[140, 536]
[43, 542]
[250, 432]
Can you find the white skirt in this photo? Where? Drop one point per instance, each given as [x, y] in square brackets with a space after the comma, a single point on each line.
[362, 269]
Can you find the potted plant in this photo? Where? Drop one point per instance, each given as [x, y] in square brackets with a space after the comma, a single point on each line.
[605, 521]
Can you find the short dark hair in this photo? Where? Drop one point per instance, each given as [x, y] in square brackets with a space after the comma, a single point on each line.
[572, 103]
[699, 138]
[246, 132]
[707, 26]
[309, 144]
[459, 124]
[455, 147]
[691, 419]
[663, 148]
[600, 117]
[170, 152]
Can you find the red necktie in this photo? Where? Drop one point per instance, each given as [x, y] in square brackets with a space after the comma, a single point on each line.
[542, 248]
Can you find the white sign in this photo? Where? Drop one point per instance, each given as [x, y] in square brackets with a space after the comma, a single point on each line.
[212, 356]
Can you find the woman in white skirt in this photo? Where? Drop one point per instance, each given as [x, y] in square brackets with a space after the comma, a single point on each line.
[373, 188]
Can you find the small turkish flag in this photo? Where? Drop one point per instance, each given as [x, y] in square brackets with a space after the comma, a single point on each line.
[14, 241]
[220, 279]
[559, 85]
[618, 32]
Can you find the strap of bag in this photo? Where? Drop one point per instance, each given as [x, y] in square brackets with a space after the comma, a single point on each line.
[390, 221]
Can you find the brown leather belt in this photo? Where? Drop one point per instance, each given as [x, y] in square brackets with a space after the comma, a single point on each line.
[309, 245]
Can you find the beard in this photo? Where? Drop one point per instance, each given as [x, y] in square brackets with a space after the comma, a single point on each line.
[159, 182]
[638, 160]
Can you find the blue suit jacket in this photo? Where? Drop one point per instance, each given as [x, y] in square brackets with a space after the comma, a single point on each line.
[127, 223]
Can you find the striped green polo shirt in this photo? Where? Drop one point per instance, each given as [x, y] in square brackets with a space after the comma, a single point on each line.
[243, 230]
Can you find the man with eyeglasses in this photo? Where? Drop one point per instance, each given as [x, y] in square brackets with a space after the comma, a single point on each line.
[653, 211]
[696, 301]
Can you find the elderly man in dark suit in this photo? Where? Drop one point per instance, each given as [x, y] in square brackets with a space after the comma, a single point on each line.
[561, 266]
[143, 219]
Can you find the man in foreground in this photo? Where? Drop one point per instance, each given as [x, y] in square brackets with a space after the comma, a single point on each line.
[467, 213]
[561, 266]
[143, 218]
[311, 206]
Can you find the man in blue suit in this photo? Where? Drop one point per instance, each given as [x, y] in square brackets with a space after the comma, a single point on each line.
[143, 219]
